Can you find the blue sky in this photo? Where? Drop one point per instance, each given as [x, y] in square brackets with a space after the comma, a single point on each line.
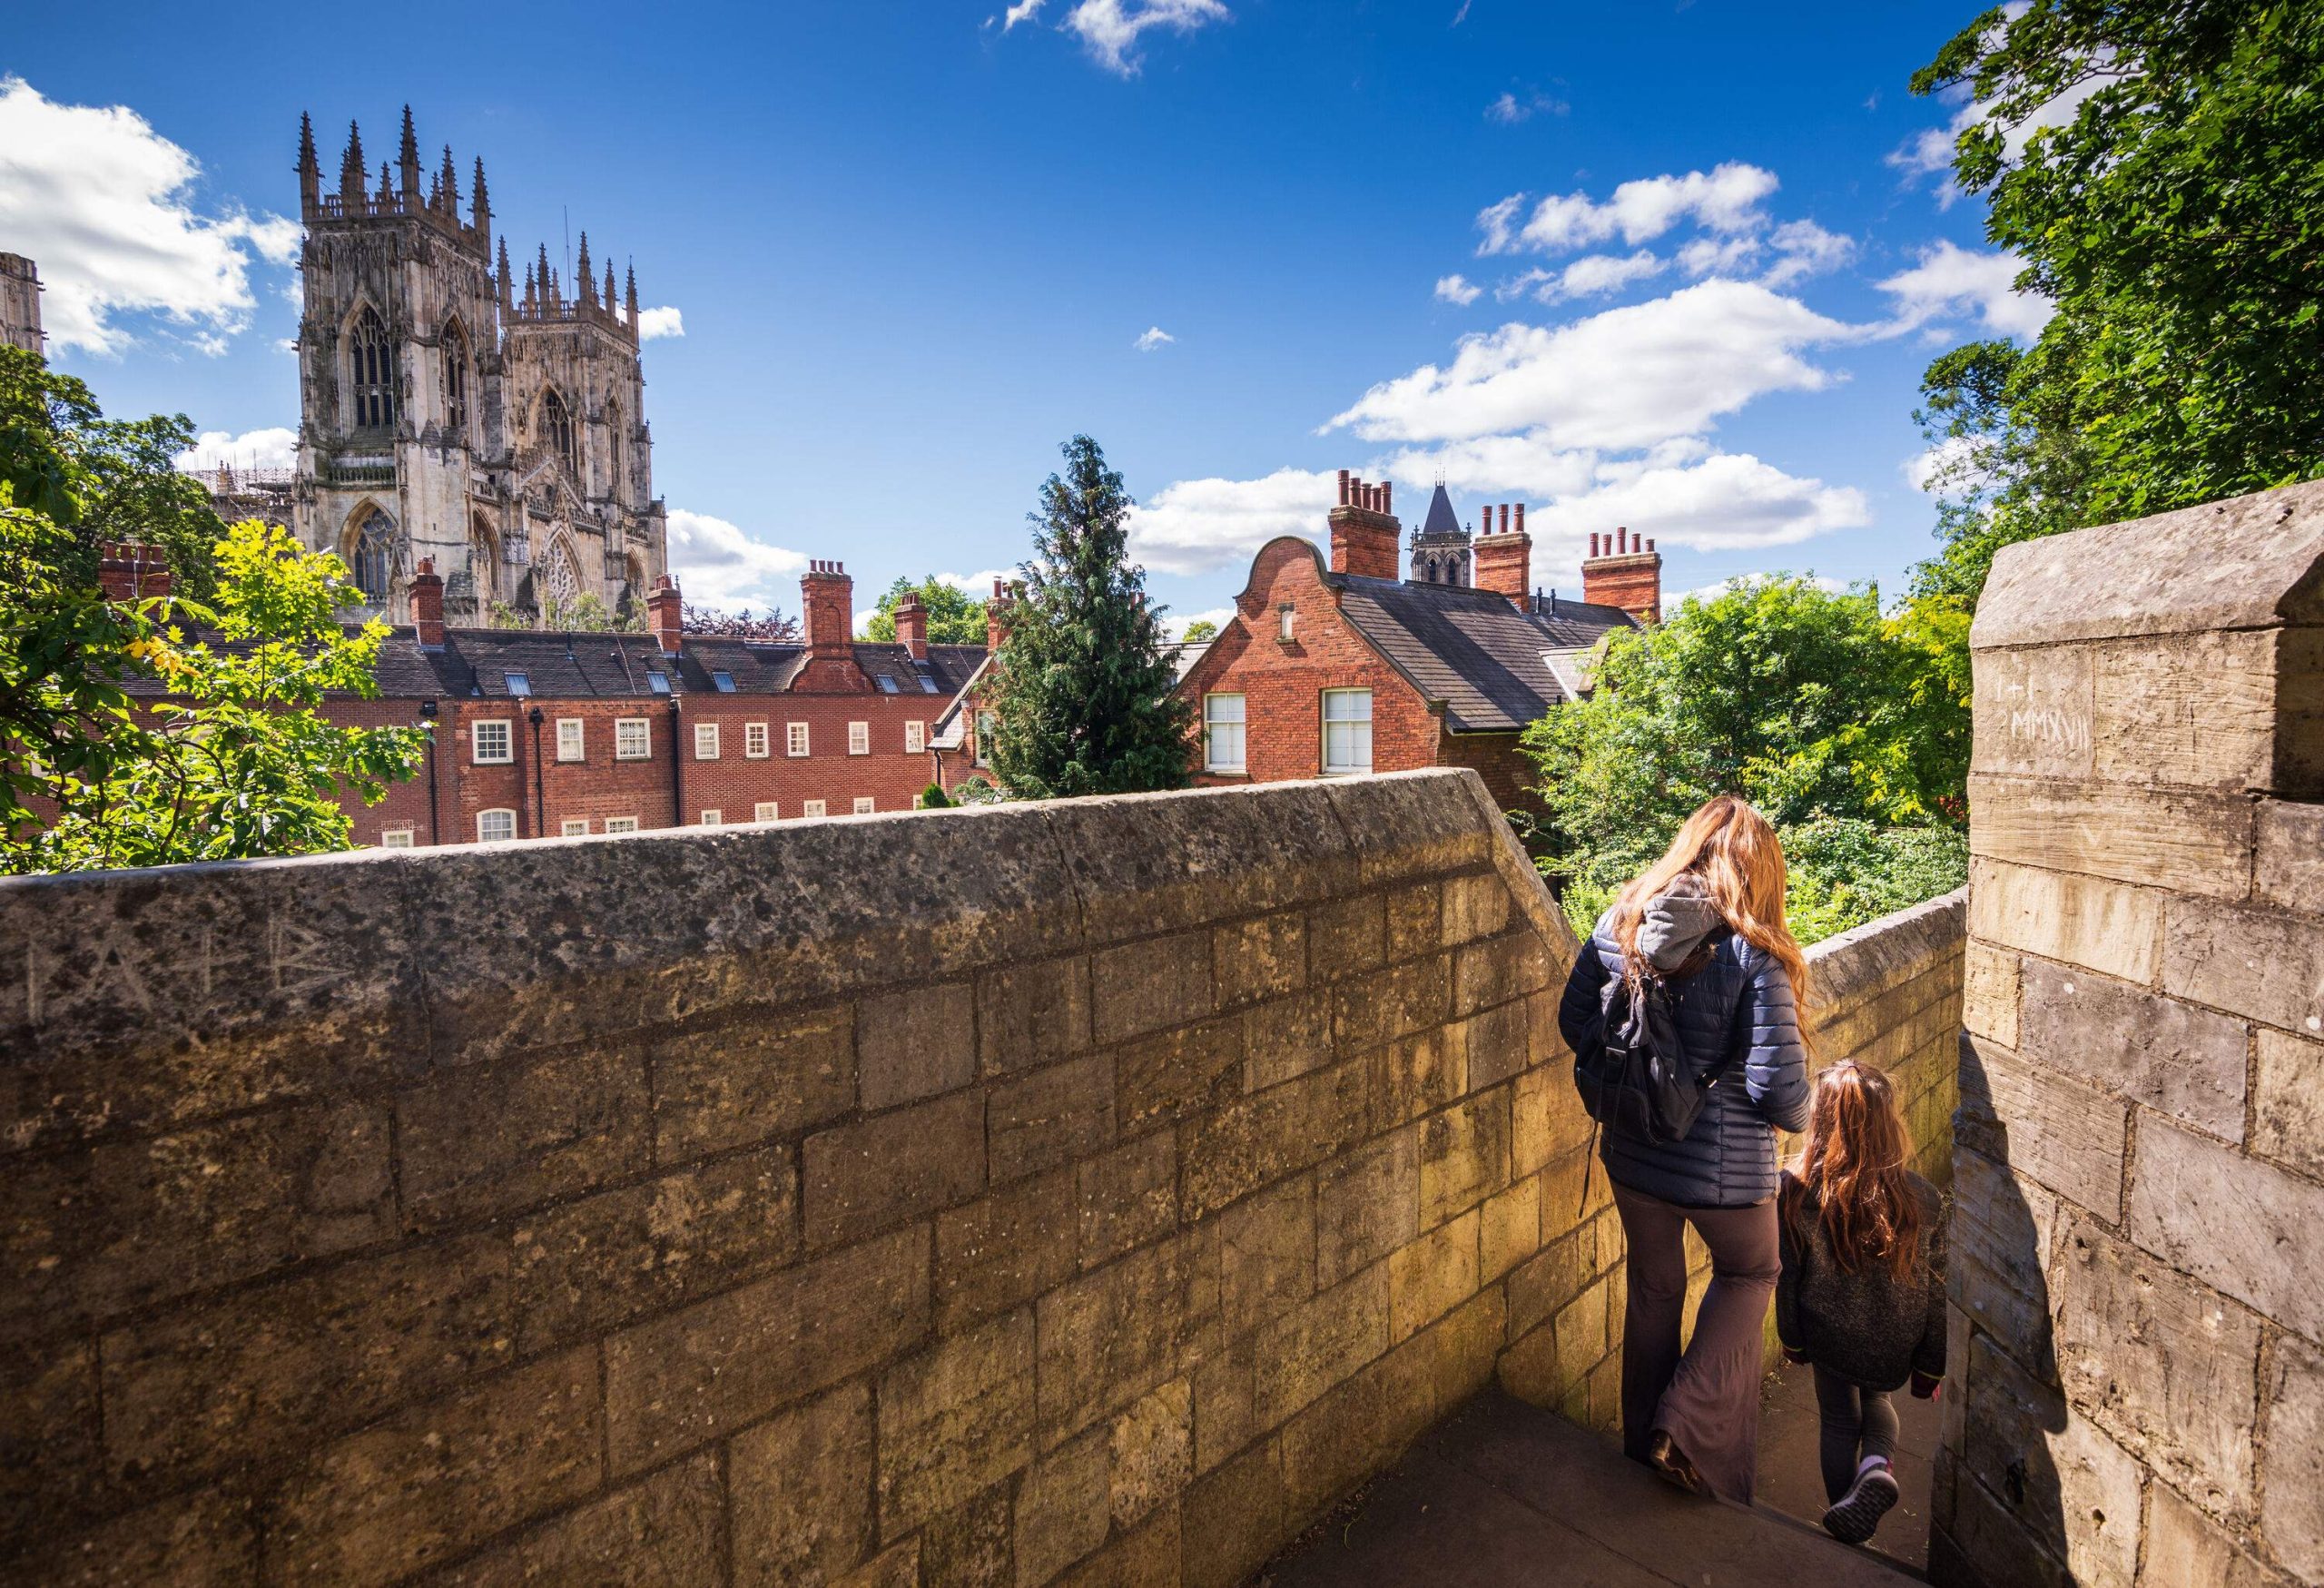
[1677, 267]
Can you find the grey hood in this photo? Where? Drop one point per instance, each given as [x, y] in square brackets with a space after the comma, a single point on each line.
[1676, 921]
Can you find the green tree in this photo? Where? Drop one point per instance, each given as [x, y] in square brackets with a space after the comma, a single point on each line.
[2176, 222]
[1200, 630]
[1081, 692]
[953, 619]
[103, 480]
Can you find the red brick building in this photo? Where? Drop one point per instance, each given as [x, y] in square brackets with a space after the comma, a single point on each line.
[1342, 667]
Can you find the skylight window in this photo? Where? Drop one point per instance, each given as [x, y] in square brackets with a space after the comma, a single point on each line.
[659, 682]
[724, 681]
[928, 685]
[887, 684]
[519, 684]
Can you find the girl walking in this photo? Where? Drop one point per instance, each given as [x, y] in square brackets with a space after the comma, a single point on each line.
[1861, 1296]
[1706, 924]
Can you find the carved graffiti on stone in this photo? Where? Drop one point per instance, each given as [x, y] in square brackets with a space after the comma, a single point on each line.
[2051, 728]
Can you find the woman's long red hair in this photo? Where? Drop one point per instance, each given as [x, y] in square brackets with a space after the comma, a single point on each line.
[1854, 1164]
[1741, 861]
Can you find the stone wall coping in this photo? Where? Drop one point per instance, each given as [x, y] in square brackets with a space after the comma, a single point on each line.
[1866, 960]
[2251, 562]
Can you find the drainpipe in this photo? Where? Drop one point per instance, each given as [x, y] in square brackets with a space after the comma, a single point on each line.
[428, 725]
[540, 795]
[677, 771]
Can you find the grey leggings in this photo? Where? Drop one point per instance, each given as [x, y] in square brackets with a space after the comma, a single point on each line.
[1857, 1422]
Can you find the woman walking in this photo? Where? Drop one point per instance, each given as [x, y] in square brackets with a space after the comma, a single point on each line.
[1704, 925]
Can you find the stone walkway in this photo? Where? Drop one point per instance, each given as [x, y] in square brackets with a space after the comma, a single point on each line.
[1502, 1495]
[1791, 1481]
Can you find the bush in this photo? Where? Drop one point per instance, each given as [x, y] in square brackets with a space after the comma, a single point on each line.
[933, 798]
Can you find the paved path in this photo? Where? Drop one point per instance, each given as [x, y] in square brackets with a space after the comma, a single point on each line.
[1791, 1481]
[1502, 1495]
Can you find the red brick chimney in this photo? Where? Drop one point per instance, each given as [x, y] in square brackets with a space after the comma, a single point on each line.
[666, 614]
[1626, 571]
[130, 571]
[995, 613]
[1503, 558]
[827, 597]
[1364, 532]
[911, 627]
[427, 605]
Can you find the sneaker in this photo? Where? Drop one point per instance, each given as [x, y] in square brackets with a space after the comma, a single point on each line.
[1859, 1512]
[1663, 1455]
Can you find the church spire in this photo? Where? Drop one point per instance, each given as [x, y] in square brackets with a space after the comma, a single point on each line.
[386, 188]
[584, 287]
[448, 180]
[632, 303]
[408, 158]
[609, 286]
[508, 283]
[480, 216]
[310, 173]
[542, 272]
[351, 171]
[531, 299]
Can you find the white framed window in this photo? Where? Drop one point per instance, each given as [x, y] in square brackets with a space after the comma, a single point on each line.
[705, 741]
[1285, 618]
[1347, 730]
[754, 738]
[395, 838]
[864, 805]
[620, 824]
[915, 739]
[764, 811]
[574, 827]
[859, 738]
[794, 738]
[711, 818]
[493, 741]
[495, 826]
[812, 808]
[633, 739]
[1222, 733]
[570, 739]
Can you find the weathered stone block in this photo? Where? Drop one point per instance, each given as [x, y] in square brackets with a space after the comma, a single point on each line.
[1146, 986]
[667, 1530]
[1052, 1116]
[1431, 1277]
[1266, 1249]
[509, 1134]
[2165, 1367]
[1464, 1154]
[431, 1481]
[1415, 1074]
[1172, 1073]
[1475, 906]
[267, 1372]
[954, 1419]
[974, 1547]
[898, 1166]
[1147, 1558]
[1064, 1508]
[1322, 1343]
[1989, 1002]
[1357, 1426]
[1004, 1248]
[914, 1044]
[1030, 1014]
[2185, 1061]
[1286, 1038]
[2240, 1226]
[1108, 1337]
[673, 1383]
[2287, 1102]
[2193, 843]
[2253, 960]
[1259, 959]
[2199, 710]
[1367, 1204]
[2025, 1447]
[1415, 915]
[802, 1488]
[1493, 1044]
[1407, 825]
[1384, 1005]
[1127, 1196]
[2058, 1131]
[2291, 1513]
[1546, 1120]
[2084, 920]
[1497, 970]
[205, 1537]
[2184, 1545]
[1152, 1452]
[1512, 1229]
[1234, 1149]
[2032, 714]
[2289, 869]
[51, 1461]
[1234, 1520]
[747, 1081]
[1347, 937]
[896, 1566]
[1226, 1410]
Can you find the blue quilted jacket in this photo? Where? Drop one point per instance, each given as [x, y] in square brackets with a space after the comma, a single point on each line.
[1738, 1012]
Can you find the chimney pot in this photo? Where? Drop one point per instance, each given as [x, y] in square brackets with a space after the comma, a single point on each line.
[1520, 517]
[911, 627]
[1344, 487]
[664, 614]
[1388, 497]
[427, 604]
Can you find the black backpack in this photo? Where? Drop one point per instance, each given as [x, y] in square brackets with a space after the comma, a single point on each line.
[1637, 1079]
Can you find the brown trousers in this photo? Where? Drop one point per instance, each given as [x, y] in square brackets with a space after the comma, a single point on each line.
[1705, 1398]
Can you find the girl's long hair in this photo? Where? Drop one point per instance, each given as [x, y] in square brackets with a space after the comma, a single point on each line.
[1732, 847]
[1854, 1166]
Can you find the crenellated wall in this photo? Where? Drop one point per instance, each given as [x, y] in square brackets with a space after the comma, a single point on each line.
[1084, 1190]
[2138, 1345]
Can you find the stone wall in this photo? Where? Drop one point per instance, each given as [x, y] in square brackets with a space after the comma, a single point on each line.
[2135, 1392]
[1087, 1191]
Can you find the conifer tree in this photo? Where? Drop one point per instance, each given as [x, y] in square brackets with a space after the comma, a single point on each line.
[1081, 700]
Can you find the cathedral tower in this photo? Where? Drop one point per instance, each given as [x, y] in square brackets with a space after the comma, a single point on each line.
[441, 419]
[1440, 546]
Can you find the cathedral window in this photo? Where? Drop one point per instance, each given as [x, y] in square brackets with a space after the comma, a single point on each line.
[613, 451]
[371, 363]
[556, 427]
[373, 556]
[456, 379]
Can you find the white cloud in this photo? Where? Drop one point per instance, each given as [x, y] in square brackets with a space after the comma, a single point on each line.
[977, 586]
[105, 204]
[1528, 464]
[1198, 526]
[1595, 274]
[1511, 109]
[1178, 623]
[1951, 280]
[1719, 256]
[1626, 378]
[1725, 501]
[1457, 288]
[1745, 581]
[718, 564]
[1929, 152]
[660, 322]
[1727, 199]
[273, 448]
[1151, 337]
[1023, 11]
[1110, 29]
[1804, 249]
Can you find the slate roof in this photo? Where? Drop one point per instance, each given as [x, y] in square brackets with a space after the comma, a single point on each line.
[1473, 648]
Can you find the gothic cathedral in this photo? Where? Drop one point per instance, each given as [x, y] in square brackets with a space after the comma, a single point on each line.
[445, 414]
